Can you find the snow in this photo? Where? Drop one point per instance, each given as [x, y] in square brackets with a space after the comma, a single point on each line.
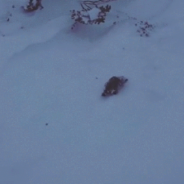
[54, 125]
[93, 13]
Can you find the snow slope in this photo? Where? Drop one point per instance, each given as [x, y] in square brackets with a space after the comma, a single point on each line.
[54, 125]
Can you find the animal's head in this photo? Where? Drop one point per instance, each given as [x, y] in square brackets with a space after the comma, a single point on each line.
[109, 92]
[106, 93]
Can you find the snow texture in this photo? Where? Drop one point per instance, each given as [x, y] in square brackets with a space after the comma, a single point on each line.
[93, 13]
[56, 128]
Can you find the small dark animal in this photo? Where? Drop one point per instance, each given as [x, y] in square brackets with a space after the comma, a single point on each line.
[113, 86]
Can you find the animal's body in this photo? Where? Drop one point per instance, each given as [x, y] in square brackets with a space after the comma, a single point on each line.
[113, 86]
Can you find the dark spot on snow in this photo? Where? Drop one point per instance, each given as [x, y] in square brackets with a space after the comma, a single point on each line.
[46, 124]
[113, 86]
[144, 29]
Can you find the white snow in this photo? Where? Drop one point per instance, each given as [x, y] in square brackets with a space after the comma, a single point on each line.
[93, 13]
[54, 125]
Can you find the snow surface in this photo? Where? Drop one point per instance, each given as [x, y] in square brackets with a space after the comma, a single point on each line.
[93, 13]
[54, 125]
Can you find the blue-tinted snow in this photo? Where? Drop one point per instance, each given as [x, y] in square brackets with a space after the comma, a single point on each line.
[54, 125]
